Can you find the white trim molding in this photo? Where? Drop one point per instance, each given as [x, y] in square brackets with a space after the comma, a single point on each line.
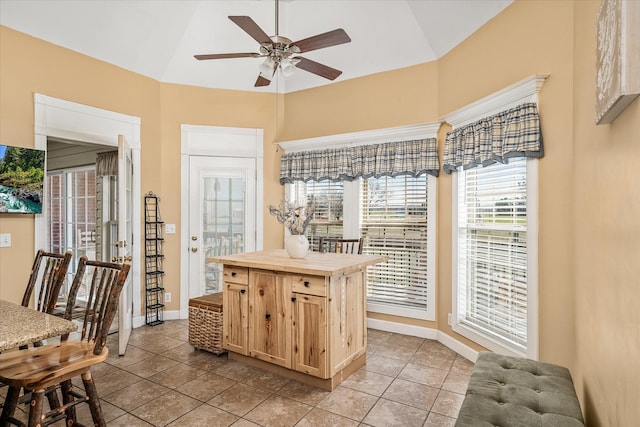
[526, 90]
[423, 332]
[215, 141]
[68, 120]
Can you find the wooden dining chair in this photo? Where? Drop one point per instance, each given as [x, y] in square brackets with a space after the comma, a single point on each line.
[48, 272]
[338, 245]
[43, 370]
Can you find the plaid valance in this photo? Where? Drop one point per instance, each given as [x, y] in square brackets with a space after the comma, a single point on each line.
[348, 163]
[511, 133]
[107, 163]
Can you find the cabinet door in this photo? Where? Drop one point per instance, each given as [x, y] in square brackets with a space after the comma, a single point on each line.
[235, 324]
[310, 334]
[270, 317]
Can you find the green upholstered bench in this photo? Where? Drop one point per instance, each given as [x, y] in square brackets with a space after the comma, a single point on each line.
[515, 392]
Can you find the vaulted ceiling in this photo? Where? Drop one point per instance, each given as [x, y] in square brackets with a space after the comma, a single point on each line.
[159, 38]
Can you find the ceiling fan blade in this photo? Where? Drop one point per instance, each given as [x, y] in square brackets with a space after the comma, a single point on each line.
[251, 28]
[262, 81]
[323, 40]
[227, 55]
[317, 68]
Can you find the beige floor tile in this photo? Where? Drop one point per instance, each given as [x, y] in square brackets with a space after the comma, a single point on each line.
[456, 383]
[109, 413]
[437, 420]
[368, 382]
[266, 381]
[303, 393]
[182, 353]
[151, 366]
[395, 352]
[384, 365]
[418, 395]
[166, 409]
[348, 403]
[239, 399]
[176, 375]
[320, 418]
[386, 413]
[115, 380]
[433, 377]
[462, 366]
[447, 404]
[434, 359]
[244, 423]
[132, 355]
[135, 395]
[278, 411]
[205, 416]
[405, 341]
[206, 361]
[205, 386]
[128, 420]
[235, 370]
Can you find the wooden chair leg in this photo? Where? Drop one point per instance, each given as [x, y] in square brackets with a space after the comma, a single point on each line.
[35, 411]
[10, 404]
[94, 400]
[66, 387]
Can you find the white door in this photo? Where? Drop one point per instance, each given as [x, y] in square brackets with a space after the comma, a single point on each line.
[125, 234]
[222, 216]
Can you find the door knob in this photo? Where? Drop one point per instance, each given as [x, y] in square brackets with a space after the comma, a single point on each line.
[194, 250]
[194, 238]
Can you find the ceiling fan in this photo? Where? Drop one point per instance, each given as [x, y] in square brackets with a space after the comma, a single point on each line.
[280, 52]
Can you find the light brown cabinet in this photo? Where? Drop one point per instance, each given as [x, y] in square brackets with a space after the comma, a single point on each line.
[304, 318]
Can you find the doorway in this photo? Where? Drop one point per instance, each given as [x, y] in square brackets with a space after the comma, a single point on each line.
[221, 198]
[57, 118]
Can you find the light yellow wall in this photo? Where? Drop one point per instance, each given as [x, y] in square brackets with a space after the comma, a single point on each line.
[589, 191]
[606, 233]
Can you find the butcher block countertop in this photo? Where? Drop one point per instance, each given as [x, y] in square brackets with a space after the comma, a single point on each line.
[315, 263]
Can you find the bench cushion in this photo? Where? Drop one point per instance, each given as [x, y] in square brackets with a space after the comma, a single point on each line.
[512, 391]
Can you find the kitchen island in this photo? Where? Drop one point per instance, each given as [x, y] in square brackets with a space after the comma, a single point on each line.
[301, 318]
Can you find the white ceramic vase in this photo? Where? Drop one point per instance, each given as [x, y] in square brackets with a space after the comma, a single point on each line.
[297, 246]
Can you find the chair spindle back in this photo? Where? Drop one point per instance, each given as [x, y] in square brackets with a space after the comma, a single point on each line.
[49, 271]
[98, 285]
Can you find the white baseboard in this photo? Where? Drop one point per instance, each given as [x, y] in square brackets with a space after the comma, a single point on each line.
[422, 332]
[166, 315]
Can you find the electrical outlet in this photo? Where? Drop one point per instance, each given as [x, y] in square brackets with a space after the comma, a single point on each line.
[5, 240]
[449, 320]
[170, 228]
[167, 297]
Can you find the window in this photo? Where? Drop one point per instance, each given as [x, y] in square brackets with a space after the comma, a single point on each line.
[495, 249]
[396, 216]
[395, 223]
[328, 215]
[72, 214]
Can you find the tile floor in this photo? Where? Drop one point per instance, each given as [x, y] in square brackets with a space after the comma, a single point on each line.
[164, 381]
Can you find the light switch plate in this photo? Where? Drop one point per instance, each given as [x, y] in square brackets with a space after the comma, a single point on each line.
[170, 228]
[5, 240]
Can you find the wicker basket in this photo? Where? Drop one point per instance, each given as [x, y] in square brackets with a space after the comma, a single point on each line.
[205, 323]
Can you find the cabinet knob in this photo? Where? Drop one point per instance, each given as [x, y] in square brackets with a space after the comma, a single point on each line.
[293, 299]
[306, 284]
[267, 316]
[242, 291]
[233, 274]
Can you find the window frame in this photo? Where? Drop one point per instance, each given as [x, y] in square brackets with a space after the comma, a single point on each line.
[476, 335]
[352, 201]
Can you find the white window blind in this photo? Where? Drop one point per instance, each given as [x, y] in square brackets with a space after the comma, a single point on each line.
[492, 252]
[395, 223]
[328, 216]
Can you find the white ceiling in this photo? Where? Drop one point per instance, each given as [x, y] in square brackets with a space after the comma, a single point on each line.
[158, 38]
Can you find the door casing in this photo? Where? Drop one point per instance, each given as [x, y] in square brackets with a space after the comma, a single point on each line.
[214, 141]
[77, 122]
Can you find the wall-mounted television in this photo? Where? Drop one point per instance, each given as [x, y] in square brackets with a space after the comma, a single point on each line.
[21, 180]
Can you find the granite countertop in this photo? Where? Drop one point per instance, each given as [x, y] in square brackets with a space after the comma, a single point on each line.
[22, 325]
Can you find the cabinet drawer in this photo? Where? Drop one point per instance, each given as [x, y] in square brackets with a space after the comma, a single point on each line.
[311, 285]
[236, 274]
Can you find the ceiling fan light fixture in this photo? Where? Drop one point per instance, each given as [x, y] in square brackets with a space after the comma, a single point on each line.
[288, 68]
[267, 68]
